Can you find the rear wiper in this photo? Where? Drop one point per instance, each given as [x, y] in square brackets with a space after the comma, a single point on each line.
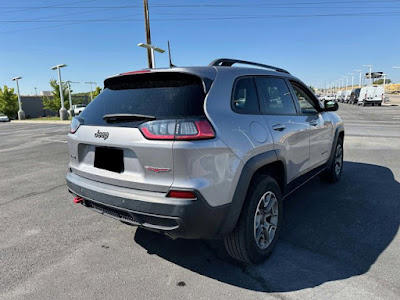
[127, 117]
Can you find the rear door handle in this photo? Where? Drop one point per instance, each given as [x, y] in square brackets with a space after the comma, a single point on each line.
[278, 127]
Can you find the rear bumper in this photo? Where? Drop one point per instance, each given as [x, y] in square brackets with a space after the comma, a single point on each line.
[178, 218]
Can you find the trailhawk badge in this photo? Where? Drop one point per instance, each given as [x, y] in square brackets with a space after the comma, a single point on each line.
[157, 170]
[101, 135]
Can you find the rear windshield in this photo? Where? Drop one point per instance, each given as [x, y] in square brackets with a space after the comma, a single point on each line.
[162, 95]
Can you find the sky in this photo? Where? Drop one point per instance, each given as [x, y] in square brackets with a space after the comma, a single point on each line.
[318, 41]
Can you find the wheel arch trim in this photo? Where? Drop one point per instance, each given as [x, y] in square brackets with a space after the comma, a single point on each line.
[249, 169]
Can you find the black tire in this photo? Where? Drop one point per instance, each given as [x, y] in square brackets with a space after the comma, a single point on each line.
[331, 174]
[241, 242]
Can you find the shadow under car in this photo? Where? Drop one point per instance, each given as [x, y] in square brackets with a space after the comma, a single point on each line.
[331, 232]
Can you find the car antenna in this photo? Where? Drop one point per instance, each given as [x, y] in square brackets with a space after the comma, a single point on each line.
[170, 60]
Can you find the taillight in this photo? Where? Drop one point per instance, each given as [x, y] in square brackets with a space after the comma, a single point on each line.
[183, 130]
[75, 123]
[181, 194]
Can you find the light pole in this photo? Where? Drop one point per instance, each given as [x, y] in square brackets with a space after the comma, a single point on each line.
[359, 71]
[384, 84]
[152, 49]
[91, 89]
[352, 80]
[396, 67]
[21, 113]
[71, 111]
[63, 111]
[370, 72]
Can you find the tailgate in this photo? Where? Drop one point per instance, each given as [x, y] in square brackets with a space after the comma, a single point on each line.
[121, 156]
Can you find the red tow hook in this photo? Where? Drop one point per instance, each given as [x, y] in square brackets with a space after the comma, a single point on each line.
[78, 200]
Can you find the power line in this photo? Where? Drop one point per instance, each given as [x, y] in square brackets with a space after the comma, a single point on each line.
[64, 6]
[75, 22]
[20, 8]
[116, 19]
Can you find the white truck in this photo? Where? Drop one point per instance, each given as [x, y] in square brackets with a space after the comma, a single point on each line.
[78, 108]
[371, 95]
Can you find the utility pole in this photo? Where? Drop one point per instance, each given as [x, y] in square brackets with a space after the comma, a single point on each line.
[35, 91]
[147, 28]
[91, 89]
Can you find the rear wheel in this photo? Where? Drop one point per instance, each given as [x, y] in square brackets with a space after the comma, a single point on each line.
[257, 230]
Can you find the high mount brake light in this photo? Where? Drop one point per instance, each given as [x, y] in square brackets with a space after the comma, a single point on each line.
[183, 130]
[136, 72]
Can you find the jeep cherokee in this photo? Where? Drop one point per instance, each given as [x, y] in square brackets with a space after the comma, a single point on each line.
[203, 152]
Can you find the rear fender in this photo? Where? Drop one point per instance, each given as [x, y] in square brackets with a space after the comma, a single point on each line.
[249, 169]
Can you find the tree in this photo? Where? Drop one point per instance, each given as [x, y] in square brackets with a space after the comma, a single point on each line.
[54, 103]
[8, 101]
[312, 88]
[380, 81]
[97, 91]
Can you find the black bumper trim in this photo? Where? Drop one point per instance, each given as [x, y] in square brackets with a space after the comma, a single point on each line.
[178, 218]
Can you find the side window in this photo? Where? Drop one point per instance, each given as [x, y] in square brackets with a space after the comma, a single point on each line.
[245, 99]
[307, 105]
[276, 96]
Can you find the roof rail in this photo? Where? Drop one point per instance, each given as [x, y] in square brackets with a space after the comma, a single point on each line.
[228, 62]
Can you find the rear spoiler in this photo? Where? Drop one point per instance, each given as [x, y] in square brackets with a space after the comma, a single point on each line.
[152, 76]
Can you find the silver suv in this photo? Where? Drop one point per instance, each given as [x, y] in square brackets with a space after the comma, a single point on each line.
[203, 152]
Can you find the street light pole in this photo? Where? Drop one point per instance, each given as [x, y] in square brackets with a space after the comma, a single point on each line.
[21, 113]
[352, 81]
[63, 111]
[396, 67]
[71, 111]
[152, 49]
[91, 89]
[370, 72]
[384, 83]
[359, 71]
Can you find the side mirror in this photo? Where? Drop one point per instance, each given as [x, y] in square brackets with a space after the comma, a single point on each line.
[330, 105]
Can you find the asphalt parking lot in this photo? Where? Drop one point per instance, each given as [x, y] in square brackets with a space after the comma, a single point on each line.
[340, 241]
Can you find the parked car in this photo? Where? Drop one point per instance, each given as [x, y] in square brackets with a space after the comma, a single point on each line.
[371, 95]
[78, 108]
[4, 118]
[329, 97]
[203, 152]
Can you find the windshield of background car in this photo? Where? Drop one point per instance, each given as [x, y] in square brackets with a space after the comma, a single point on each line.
[163, 95]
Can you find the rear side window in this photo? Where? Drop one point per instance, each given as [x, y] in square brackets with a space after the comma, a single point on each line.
[244, 98]
[162, 95]
[276, 96]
